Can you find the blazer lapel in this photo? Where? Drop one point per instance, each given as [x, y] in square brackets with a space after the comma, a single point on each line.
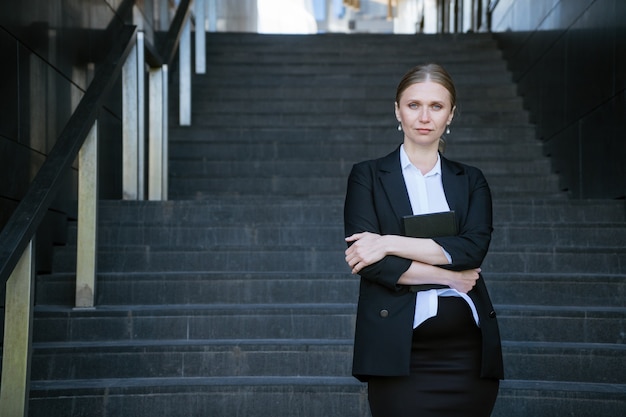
[390, 174]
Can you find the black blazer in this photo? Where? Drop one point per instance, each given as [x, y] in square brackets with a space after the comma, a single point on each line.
[376, 201]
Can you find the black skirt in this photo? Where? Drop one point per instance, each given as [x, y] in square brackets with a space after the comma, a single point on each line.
[444, 380]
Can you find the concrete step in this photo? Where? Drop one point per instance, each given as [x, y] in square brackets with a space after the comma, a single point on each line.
[181, 168]
[332, 185]
[277, 74]
[257, 230]
[572, 362]
[289, 396]
[347, 60]
[192, 359]
[194, 322]
[356, 42]
[568, 260]
[569, 324]
[314, 258]
[142, 288]
[387, 136]
[522, 398]
[575, 362]
[518, 323]
[305, 119]
[351, 151]
[377, 107]
[558, 289]
[329, 211]
[363, 88]
[561, 235]
[229, 396]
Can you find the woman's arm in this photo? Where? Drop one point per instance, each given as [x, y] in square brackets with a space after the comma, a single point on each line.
[361, 215]
[420, 273]
[368, 248]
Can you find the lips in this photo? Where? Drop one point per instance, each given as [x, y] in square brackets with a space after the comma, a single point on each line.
[423, 131]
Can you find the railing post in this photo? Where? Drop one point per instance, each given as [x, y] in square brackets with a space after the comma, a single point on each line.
[16, 350]
[157, 134]
[211, 11]
[86, 253]
[184, 62]
[199, 12]
[133, 127]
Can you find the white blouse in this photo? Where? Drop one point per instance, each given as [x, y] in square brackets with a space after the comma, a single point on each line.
[427, 195]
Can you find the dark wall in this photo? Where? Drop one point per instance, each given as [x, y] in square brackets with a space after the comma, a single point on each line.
[50, 50]
[569, 60]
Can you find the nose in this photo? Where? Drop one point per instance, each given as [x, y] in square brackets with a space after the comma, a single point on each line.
[424, 115]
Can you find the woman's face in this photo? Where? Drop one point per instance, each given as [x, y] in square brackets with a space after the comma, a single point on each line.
[424, 110]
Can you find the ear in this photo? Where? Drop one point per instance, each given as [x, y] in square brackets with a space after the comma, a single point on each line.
[451, 115]
[397, 110]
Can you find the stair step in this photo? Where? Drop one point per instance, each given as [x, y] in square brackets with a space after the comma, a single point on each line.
[192, 359]
[209, 287]
[321, 210]
[307, 120]
[309, 357]
[215, 287]
[606, 260]
[189, 322]
[303, 74]
[506, 106]
[224, 396]
[562, 323]
[522, 398]
[333, 185]
[307, 151]
[302, 321]
[288, 396]
[559, 235]
[360, 89]
[257, 231]
[370, 135]
[559, 289]
[573, 362]
[190, 168]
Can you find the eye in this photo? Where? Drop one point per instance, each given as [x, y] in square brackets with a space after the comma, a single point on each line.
[437, 106]
[413, 106]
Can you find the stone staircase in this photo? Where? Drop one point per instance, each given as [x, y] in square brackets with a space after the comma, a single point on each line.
[233, 298]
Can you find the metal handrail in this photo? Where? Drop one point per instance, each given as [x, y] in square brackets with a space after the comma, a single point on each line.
[176, 28]
[29, 214]
[78, 138]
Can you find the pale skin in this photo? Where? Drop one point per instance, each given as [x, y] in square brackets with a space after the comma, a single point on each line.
[424, 111]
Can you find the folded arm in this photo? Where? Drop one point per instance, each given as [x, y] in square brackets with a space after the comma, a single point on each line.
[369, 248]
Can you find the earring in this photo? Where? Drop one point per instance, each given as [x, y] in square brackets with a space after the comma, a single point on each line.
[448, 130]
[399, 127]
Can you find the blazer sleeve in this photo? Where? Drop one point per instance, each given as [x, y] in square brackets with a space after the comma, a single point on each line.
[469, 248]
[361, 214]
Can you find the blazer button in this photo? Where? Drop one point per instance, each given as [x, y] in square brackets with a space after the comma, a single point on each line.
[384, 313]
[492, 314]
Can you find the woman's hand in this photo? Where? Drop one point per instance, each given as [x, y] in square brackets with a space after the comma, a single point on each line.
[368, 248]
[464, 281]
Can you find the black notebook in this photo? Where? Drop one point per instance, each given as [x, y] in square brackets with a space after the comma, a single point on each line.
[430, 225]
[427, 226]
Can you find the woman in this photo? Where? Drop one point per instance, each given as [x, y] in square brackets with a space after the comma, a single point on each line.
[426, 340]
